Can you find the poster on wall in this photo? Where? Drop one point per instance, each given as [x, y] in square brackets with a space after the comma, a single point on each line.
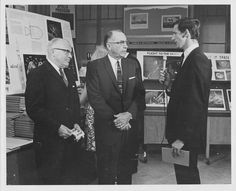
[28, 36]
[152, 62]
[64, 12]
[151, 26]
[221, 66]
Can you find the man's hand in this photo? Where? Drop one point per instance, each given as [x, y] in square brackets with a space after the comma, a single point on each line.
[77, 132]
[122, 120]
[165, 78]
[64, 132]
[177, 146]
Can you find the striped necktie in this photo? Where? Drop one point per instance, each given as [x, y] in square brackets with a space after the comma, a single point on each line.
[119, 77]
[63, 76]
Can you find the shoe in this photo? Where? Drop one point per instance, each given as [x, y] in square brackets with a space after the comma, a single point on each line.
[143, 157]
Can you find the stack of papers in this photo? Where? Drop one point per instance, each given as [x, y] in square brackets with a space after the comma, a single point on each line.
[15, 104]
[24, 126]
[10, 123]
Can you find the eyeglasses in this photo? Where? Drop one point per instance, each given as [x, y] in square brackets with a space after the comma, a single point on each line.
[64, 50]
[122, 42]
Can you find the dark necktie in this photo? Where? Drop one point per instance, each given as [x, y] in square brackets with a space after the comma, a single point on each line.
[182, 59]
[63, 76]
[180, 62]
[119, 77]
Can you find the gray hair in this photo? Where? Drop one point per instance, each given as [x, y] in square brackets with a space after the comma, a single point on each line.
[53, 42]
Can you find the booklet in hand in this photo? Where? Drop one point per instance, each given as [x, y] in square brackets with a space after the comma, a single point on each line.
[182, 159]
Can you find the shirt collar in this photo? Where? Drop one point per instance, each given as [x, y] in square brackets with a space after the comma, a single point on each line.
[54, 66]
[190, 49]
[113, 60]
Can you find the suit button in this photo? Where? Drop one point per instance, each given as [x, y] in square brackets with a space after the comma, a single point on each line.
[67, 108]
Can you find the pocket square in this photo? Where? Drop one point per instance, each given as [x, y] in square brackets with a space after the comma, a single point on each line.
[131, 78]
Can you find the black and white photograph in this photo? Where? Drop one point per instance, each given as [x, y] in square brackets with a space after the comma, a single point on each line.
[139, 21]
[32, 61]
[228, 74]
[54, 29]
[216, 100]
[153, 76]
[222, 64]
[155, 98]
[152, 65]
[219, 75]
[167, 22]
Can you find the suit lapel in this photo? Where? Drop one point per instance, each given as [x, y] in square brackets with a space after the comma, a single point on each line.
[109, 70]
[125, 72]
[55, 74]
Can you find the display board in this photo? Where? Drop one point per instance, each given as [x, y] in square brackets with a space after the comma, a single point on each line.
[152, 62]
[151, 26]
[28, 35]
[221, 66]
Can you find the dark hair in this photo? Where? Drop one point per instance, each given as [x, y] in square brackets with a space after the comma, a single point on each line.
[192, 25]
[108, 35]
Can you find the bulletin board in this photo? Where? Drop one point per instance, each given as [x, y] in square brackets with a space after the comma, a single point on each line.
[28, 35]
[151, 26]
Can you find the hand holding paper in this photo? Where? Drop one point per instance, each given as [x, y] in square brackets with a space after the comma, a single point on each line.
[77, 132]
[177, 146]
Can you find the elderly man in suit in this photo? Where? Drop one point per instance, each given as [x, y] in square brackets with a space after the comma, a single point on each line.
[115, 91]
[52, 102]
[188, 105]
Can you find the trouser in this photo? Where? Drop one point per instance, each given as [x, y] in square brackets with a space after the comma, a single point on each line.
[188, 175]
[58, 163]
[114, 162]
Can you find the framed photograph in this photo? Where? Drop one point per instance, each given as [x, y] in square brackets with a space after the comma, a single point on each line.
[139, 21]
[54, 29]
[152, 62]
[152, 65]
[228, 74]
[216, 100]
[167, 22]
[222, 64]
[32, 61]
[219, 75]
[228, 93]
[155, 98]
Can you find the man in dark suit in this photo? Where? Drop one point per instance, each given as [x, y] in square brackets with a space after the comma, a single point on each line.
[116, 100]
[188, 105]
[52, 102]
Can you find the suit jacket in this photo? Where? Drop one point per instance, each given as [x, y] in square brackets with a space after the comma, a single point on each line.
[106, 99]
[49, 103]
[188, 105]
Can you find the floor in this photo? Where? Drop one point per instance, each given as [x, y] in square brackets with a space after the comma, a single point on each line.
[155, 171]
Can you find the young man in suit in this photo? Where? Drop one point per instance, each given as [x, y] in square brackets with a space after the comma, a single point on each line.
[115, 89]
[52, 102]
[188, 105]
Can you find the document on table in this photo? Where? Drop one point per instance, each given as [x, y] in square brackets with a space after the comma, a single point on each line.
[167, 156]
[13, 143]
